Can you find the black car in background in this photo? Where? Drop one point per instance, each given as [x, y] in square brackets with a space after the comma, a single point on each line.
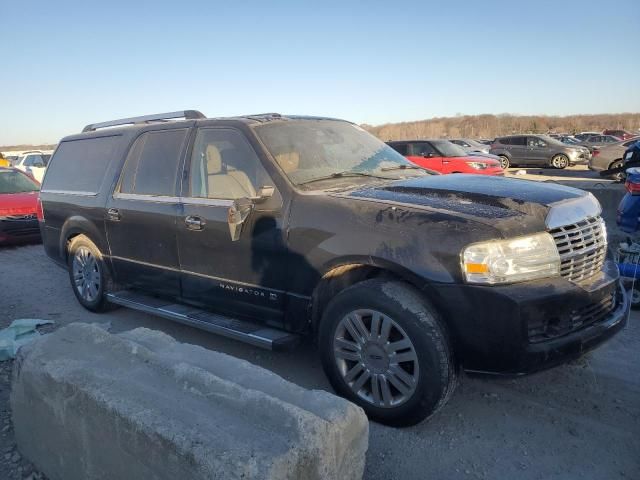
[267, 227]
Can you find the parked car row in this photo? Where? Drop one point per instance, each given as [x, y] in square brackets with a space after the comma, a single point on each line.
[32, 162]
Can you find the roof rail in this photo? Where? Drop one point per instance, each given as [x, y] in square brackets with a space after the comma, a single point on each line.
[186, 114]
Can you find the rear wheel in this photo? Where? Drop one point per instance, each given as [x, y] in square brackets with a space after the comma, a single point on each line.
[384, 348]
[89, 276]
[504, 162]
[634, 298]
[560, 161]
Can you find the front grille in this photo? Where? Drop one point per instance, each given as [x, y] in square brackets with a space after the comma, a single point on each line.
[547, 328]
[582, 247]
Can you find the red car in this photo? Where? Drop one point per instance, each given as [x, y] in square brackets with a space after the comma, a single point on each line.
[621, 134]
[18, 207]
[446, 157]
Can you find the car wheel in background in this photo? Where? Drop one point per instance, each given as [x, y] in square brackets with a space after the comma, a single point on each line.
[620, 176]
[90, 278]
[384, 347]
[560, 161]
[504, 162]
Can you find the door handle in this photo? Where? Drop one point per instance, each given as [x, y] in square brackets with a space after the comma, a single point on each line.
[194, 223]
[113, 214]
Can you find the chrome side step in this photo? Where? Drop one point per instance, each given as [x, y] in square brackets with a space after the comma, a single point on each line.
[244, 331]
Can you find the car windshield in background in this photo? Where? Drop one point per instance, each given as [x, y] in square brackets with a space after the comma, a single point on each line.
[310, 150]
[16, 182]
[448, 149]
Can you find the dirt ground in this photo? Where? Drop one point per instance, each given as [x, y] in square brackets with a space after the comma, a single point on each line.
[578, 421]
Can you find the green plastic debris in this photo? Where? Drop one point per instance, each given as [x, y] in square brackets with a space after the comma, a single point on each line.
[17, 334]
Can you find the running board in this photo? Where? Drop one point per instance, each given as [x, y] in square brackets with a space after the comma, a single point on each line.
[244, 331]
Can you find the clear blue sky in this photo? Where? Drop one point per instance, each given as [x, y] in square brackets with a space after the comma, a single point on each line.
[66, 64]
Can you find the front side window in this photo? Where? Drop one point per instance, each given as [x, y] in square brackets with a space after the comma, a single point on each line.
[225, 166]
[336, 151]
[448, 149]
[422, 149]
[152, 164]
[535, 142]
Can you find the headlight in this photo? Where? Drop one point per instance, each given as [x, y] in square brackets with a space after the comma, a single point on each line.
[477, 165]
[514, 260]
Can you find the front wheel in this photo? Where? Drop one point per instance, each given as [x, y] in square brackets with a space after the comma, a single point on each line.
[384, 348]
[560, 161]
[618, 176]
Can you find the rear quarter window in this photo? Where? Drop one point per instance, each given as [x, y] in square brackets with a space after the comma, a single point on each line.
[80, 165]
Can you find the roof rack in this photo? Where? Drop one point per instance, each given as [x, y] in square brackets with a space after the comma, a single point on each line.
[158, 117]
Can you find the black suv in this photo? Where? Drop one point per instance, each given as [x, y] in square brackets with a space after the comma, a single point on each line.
[265, 228]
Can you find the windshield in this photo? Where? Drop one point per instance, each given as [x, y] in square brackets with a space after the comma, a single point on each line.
[309, 150]
[16, 182]
[448, 149]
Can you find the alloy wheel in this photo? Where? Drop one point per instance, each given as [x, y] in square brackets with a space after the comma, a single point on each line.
[376, 358]
[86, 274]
[560, 161]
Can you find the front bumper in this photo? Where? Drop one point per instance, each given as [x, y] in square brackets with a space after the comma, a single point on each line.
[19, 228]
[494, 327]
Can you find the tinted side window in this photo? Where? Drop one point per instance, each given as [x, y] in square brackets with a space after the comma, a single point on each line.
[80, 165]
[152, 164]
[505, 141]
[225, 166]
[519, 141]
[422, 149]
[401, 148]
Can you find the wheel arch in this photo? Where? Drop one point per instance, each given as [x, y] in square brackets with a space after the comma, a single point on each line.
[78, 225]
[343, 273]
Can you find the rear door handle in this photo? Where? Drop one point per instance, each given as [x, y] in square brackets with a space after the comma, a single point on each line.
[194, 223]
[113, 214]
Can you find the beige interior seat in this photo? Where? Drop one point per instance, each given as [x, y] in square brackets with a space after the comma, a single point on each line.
[223, 181]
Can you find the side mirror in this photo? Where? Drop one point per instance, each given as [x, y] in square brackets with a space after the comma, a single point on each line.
[263, 193]
[236, 216]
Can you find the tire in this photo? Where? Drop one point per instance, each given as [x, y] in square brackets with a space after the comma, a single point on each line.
[89, 280]
[634, 298]
[620, 176]
[560, 161]
[363, 368]
[504, 162]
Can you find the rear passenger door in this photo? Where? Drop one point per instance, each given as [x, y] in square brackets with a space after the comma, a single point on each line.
[141, 214]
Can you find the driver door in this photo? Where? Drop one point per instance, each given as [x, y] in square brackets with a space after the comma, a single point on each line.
[244, 277]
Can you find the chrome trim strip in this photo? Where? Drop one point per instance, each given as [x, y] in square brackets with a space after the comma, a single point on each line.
[147, 198]
[211, 202]
[71, 192]
[235, 282]
[146, 264]
[568, 212]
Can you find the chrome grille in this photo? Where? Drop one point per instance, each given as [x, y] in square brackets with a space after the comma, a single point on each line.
[582, 247]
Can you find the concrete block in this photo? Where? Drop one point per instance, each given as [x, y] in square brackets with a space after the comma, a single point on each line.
[88, 405]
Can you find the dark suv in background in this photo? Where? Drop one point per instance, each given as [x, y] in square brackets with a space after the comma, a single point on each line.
[538, 150]
[266, 227]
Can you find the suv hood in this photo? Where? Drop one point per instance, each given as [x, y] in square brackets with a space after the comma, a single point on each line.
[515, 207]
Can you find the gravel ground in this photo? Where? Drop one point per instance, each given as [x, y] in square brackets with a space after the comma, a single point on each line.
[580, 420]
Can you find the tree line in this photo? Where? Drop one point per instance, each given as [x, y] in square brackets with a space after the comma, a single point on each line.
[491, 126]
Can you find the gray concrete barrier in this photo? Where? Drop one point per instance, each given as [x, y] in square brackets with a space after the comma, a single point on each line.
[88, 404]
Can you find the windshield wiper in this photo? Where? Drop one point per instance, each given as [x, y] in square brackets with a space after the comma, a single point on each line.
[398, 167]
[346, 173]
